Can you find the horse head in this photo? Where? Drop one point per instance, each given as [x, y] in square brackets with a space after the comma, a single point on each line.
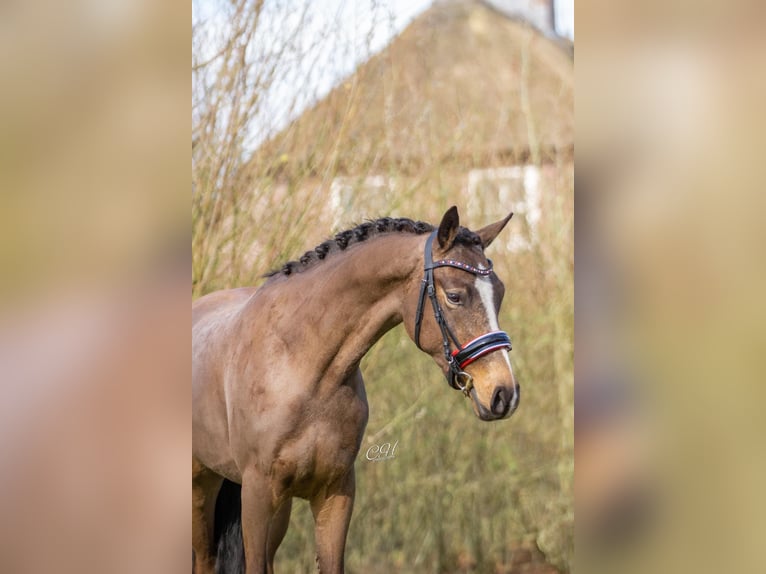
[456, 300]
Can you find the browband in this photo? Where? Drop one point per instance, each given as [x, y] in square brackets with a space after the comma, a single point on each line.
[463, 266]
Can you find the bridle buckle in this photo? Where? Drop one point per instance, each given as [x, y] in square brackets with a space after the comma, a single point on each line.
[463, 382]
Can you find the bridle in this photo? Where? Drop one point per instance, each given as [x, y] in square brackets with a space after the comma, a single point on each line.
[463, 355]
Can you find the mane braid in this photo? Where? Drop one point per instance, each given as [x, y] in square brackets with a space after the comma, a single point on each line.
[362, 232]
[343, 239]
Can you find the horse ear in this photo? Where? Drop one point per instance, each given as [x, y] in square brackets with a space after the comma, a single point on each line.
[448, 228]
[488, 233]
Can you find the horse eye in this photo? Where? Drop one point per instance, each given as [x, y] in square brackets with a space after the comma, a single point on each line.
[453, 298]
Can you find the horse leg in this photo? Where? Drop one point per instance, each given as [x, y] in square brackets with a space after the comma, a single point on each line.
[277, 532]
[205, 486]
[332, 513]
[257, 512]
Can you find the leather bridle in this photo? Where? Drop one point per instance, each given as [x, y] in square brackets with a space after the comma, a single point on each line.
[463, 355]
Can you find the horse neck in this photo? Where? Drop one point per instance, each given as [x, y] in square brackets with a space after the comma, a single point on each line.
[345, 304]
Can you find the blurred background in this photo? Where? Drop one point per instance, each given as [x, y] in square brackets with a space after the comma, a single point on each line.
[670, 283]
[94, 287]
[309, 118]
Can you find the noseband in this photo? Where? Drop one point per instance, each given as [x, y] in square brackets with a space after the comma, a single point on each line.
[463, 355]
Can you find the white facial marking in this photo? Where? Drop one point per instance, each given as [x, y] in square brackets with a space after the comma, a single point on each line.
[486, 292]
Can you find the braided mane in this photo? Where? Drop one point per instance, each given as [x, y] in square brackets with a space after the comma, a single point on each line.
[362, 232]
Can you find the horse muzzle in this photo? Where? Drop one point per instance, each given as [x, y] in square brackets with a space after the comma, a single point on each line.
[504, 402]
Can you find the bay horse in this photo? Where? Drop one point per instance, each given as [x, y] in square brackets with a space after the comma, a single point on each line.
[278, 401]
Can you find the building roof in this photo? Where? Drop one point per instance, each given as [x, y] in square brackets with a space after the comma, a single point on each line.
[462, 84]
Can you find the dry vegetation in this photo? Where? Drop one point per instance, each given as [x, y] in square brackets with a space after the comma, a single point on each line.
[461, 88]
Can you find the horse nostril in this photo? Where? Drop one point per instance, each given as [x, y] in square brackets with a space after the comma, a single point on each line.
[500, 401]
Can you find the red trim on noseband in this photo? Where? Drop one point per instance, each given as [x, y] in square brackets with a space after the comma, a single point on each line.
[469, 343]
[479, 347]
[486, 351]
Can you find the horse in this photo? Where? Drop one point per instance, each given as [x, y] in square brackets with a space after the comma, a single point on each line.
[278, 401]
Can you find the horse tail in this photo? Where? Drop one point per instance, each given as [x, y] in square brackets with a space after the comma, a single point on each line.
[230, 558]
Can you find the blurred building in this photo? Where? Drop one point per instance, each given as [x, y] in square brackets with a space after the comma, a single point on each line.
[538, 13]
[467, 99]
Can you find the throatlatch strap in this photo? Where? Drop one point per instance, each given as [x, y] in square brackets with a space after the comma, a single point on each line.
[419, 312]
